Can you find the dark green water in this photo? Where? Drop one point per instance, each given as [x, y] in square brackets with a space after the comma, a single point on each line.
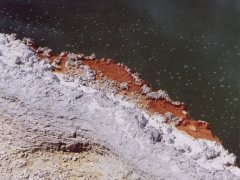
[189, 48]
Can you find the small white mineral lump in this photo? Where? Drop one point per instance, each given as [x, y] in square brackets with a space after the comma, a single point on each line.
[41, 49]
[152, 95]
[124, 86]
[30, 60]
[69, 64]
[89, 74]
[62, 54]
[163, 95]
[127, 69]
[137, 79]
[145, 89]
[109, 61]
[45, 61]
[57, 61]
[176, 120]
[81, 56]
[72, 57]
[93, 56]
[169, 116]
[28, 41]
[159, 95]
[3, 39]
[55, 65]
[47, 52]
[12, 37]
[176, 103]
[78, 63]
[45, 65]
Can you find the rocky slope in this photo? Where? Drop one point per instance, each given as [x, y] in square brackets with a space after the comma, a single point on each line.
[70, 117]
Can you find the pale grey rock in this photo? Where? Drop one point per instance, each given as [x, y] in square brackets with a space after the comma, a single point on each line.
[18, 61]
[155, 134]
[142, 120]
[124, 86]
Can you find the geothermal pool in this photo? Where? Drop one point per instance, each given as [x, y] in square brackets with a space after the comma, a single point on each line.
[191, 49]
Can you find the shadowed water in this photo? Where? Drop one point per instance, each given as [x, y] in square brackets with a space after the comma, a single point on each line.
[189, 48]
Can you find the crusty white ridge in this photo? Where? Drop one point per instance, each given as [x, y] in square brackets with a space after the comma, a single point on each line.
[61, 116]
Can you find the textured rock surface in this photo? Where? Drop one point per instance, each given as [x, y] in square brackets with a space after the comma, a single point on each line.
[52, 128]
[33, 154]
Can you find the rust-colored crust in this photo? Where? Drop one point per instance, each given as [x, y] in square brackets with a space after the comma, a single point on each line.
[117, 72]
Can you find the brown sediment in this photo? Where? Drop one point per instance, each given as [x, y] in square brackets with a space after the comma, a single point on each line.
[120, 73]
[198, 129]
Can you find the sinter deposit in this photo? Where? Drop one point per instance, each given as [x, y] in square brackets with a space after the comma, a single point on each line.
[62, 119]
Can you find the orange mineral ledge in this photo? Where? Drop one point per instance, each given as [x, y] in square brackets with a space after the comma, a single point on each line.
[120, 74]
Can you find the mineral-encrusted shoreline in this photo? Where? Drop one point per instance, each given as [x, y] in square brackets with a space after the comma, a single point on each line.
[119, 79]
[70, 116]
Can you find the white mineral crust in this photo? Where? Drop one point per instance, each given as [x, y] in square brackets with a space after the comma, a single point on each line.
[42, 115]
